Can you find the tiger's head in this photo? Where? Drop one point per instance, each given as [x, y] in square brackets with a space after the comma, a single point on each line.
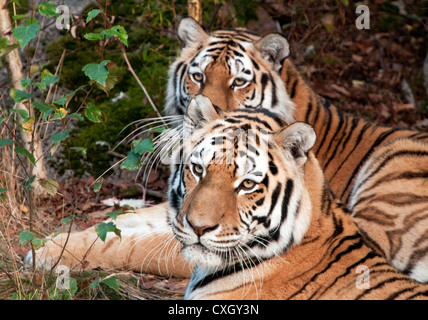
[235, 69]
[237, 193]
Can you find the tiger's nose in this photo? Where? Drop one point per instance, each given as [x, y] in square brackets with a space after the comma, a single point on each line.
[202, 230]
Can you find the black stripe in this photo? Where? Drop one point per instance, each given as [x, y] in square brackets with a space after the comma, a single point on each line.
[293, 88]
[378, 141]
[264, 123]
[308, 111]
[382, 284]
[265, 181]
[227, 271]
[274, 197]
[423, 294]
[274, 97]
[327, 130]
[274, 234]
[394, 295]
[265, 112]
[273, 168]
[256, 66]
[356, 143]
[336, 133]
[350, 249]
[348, 270]
[260, 201]
[393, 157]
[339, 143]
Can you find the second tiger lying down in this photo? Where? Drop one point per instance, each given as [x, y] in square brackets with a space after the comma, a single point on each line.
[255, 215]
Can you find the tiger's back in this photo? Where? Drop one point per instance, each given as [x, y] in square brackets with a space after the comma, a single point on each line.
[344, 142]
[380, 195]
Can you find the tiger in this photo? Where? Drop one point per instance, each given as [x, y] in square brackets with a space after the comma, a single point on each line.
[257, 218]
[237, 69]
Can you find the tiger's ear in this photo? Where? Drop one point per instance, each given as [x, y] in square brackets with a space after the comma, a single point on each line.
[190, 32]
[274, 48]
[201, 111]
[298, 138]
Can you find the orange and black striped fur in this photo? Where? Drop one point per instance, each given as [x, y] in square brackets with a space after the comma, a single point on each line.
[251, 206]
[237, 69]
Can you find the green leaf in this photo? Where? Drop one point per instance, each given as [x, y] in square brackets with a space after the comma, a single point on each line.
[24, 34]
[38, 243]
[47, 79]
[28, 182]
[112, 283]
[5, 142]
[25, 237]
[67, 220]
[94, 284]
[117, 31]
[132, 161]
[111, 81]
[44, 108]
[97, 185]
[80, 149]
[7, 49]
[97, 72]
[157, 130]
[20, 95]
[4, 42]
[61, 101]
[2, 195]
[60, 136]
[31, 20]
[18, 17]
[50, 185]
[77, 116]
[115, 214]
[59, 114]
[25, 152]
[103, 228]
[93, 113]
[92, 14]
[94, 36]
[48, 9]
[143, 146]
[66, 99]
[69, 293]
[23, 113]
[25, 82]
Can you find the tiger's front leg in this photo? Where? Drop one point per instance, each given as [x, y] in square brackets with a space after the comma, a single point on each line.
[147, 244]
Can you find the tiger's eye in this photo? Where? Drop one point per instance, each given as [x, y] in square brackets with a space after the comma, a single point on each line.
[248, 184]
[197, 169]
[239, 82]
[198, 77]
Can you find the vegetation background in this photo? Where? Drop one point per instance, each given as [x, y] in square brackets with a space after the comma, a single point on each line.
[380, 73]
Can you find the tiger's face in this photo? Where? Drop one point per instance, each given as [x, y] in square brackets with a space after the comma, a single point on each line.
[233, 68]
[238, 194]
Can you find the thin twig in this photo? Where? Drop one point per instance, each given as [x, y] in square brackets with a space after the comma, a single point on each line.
[122, 48]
